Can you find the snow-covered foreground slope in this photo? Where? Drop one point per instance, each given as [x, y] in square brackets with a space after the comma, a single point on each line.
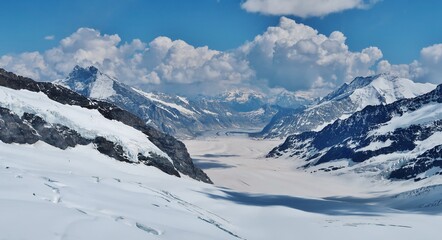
[49, 193]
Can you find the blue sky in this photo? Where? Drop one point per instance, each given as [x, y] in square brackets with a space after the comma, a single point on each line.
[220, 25]
[405, 35]
[400, 28]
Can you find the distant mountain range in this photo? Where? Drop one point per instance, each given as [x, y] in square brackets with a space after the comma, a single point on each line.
[400, 140]
[41, 112]
[361, 92]
[177, 115]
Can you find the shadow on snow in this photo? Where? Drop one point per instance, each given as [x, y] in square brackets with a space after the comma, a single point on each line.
[430, 204]
[312, 205]
[209, 164]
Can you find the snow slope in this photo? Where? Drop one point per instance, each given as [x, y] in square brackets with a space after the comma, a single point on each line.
[155, 98]
[49, 193]
[427, 114]
[102, 88]
[80, 194]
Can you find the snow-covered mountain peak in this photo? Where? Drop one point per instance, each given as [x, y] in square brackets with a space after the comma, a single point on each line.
[348, 88]
[82, 75]
[241, 95]
[91, 70]
[394, 88]
[287, 99]
[90, 82]
[385, 89]
[176, 115]
[350, 97]
[379, 89]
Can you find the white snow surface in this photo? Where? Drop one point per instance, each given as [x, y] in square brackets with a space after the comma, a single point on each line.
[373, 146]
[103, 87]
[387, 89]
[88, 123]
[241, 95]
[322, 126]
[183, 99]
[256, 112]
[209, 112]
[154, 98]
[426, 114]
[48, 193]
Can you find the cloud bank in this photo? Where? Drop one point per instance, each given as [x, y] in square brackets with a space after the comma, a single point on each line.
[161, 62]
[288, 56]
[428, 68]
[296, 57]
[303, 8]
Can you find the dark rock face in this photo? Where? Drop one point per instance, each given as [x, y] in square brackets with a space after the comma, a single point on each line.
[54, 134]
[110, 149]
[88, 75]
[424, 162]
[159, 162]
[14, 130]
[30, 128]
[349, 138]
[177, 152]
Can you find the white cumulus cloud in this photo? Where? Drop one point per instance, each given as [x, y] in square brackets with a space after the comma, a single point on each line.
[296, 57]
[162, 63]
[290, 55]
[178, 62]
[428, 68]
[304, 8]
[431, 63]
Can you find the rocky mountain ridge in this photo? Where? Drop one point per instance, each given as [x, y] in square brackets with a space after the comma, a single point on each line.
[41, 111]
[361, 92]
[401, 140]
[176, 115]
